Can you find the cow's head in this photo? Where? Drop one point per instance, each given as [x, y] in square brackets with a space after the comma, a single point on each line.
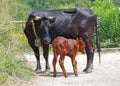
[45, 25]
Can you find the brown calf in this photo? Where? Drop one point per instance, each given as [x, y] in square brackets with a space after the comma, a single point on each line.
[70, 47]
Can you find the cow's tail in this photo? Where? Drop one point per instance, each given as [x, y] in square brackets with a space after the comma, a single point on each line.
[98, 43]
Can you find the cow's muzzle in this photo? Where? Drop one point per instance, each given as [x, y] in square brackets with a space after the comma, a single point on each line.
[47, 41]
[37, 42]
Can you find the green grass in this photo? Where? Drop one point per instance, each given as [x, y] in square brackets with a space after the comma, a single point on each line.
[14, 67]
[3, 78]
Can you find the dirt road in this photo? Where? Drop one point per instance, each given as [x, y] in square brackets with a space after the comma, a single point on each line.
[106, 74]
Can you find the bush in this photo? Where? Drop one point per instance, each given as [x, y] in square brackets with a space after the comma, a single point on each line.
[108, 22]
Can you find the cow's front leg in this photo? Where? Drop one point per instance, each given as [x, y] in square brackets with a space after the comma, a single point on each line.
[37, 55]
[45, 54]
[90, 56]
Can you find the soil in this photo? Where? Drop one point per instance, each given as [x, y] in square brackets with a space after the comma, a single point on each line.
[105, 74]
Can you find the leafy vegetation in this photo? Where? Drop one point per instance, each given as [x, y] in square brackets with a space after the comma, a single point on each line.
[11, 66]
[10, 45]
[108, 22]
[12, 39]
[107, 11]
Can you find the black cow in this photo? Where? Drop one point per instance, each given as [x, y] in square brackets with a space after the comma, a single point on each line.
[43, 26]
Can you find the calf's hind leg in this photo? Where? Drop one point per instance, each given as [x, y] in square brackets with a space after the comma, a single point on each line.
[61, 62]
[74, 64]
[54, 64]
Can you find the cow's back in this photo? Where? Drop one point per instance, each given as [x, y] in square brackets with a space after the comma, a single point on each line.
[69, 24]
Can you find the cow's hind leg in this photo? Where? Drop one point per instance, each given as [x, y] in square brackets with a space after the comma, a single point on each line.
[45, 54]
[90, 56]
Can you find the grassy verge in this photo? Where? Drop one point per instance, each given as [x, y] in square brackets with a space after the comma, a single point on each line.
[14, 67]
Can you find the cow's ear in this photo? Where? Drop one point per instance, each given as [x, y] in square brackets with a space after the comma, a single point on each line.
[43, 18]
[52, 19]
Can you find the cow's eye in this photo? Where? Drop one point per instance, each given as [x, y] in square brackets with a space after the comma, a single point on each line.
[42, 23]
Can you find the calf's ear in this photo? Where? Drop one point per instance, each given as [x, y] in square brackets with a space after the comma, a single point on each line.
[52, 19]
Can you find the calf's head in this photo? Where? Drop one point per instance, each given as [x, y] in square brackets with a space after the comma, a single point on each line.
[81, 45]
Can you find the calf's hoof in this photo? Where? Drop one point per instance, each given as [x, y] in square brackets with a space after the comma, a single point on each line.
[76, 75]
[54, 75]
[65, 75]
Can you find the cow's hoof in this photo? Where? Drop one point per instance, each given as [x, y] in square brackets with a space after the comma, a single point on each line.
[87, 70]
[47, 71]
[38, 70]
